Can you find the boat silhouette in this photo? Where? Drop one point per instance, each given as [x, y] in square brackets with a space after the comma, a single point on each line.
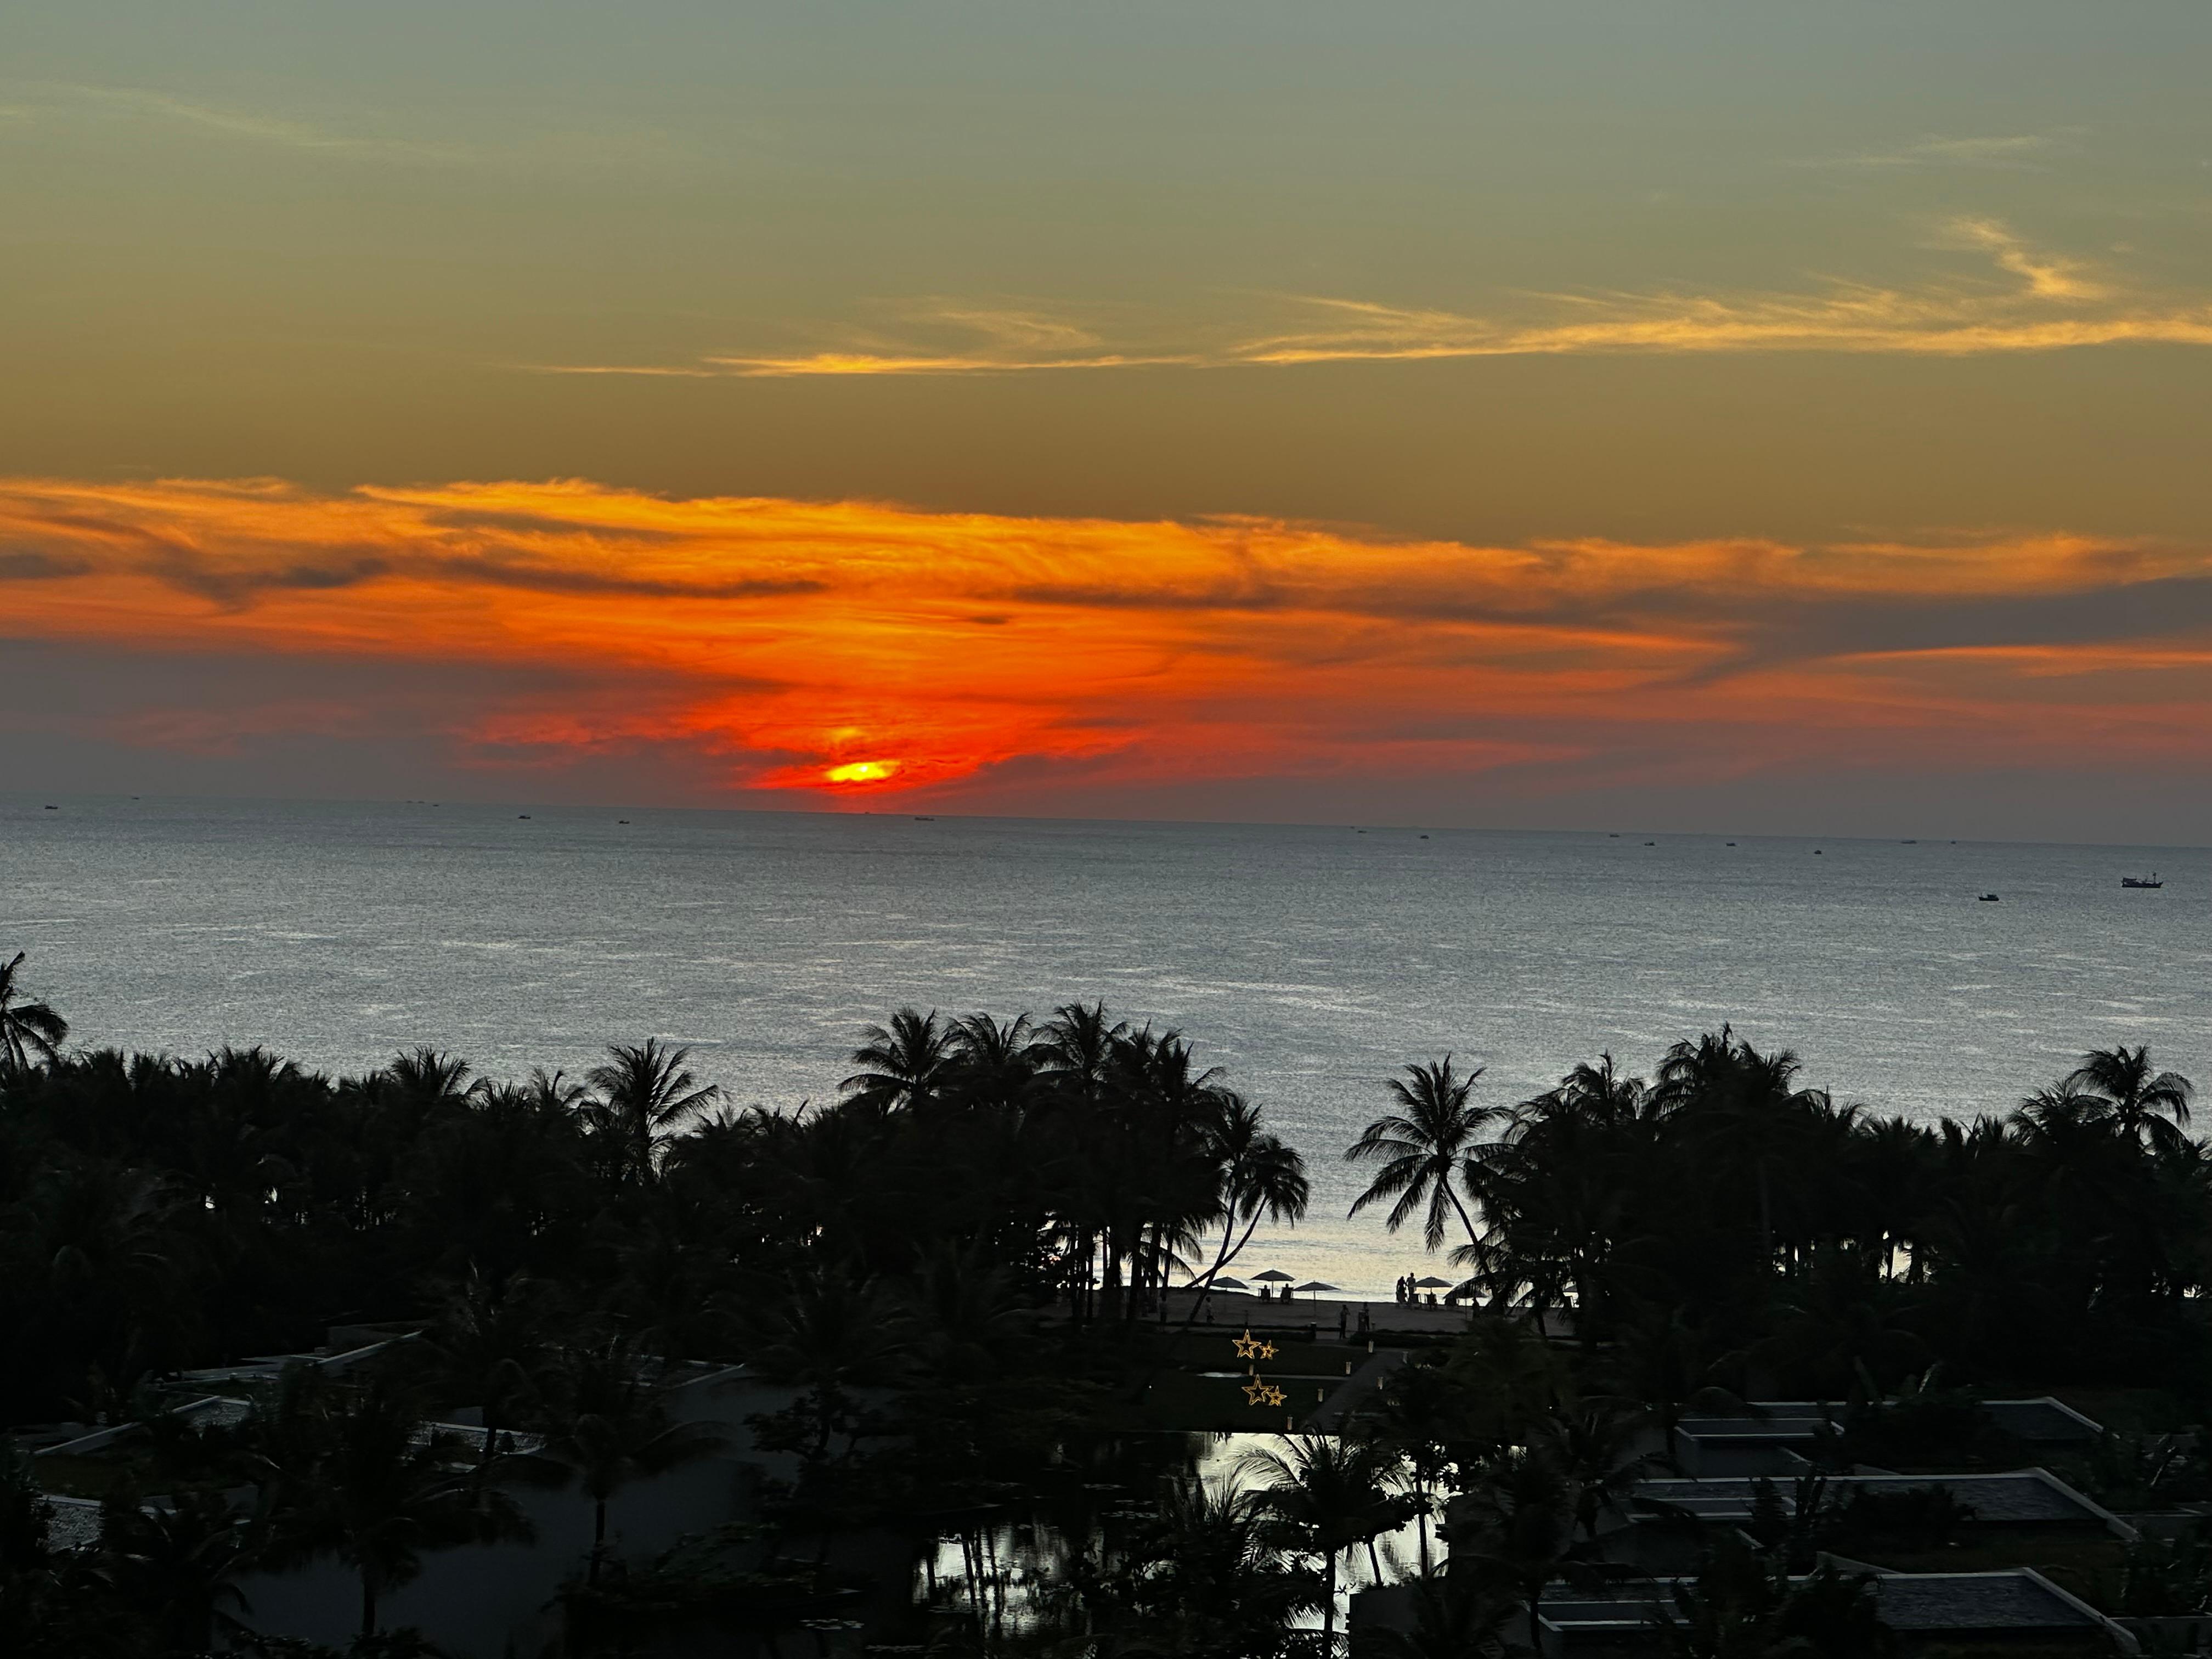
[2150, 880]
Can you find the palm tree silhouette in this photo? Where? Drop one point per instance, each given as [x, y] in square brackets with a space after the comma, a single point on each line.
[492, 1343]
[1522, 1503]
[1216, 1578]
[997, 1060]
[176, 1565]
[608, 1428]
[1750, 1107]
[644, 1091]
[2140, 1104]
[906, 1063]
[1420, 1414]
[1332, 1494]
[1261, 1176]
[829, 1331]
[1454, 1617]
[1423, 1146]
[29, 1031]
[356, 1475]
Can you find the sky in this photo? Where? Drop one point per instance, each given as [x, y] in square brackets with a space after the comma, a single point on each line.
[1769, 417]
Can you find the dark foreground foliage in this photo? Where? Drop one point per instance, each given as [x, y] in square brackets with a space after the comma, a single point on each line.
[951, 1263]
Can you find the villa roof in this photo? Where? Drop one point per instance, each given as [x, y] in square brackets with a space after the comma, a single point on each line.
[2043, 1420]
[2012, 1600]
[2018, 1497]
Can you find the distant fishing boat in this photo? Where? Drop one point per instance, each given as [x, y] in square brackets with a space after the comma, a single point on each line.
[2150, 880]
[1989, 898]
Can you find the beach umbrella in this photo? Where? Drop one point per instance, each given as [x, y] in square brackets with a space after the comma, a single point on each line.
[1228, 1284]
[1317, 1285]
[1274, 1276]
[1432, 1283]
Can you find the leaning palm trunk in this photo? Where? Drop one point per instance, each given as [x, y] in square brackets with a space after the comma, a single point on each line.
[1222, 1258]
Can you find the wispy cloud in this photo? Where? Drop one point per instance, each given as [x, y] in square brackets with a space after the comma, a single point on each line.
[2048, 276]
[834, 364]
[2036, 301]
[250, 127]
[372, 136]
[2013, 151]
[932, 336]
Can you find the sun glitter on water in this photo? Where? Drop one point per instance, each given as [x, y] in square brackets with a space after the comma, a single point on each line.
[869, 771]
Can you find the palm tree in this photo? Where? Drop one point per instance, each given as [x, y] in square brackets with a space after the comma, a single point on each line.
[178, 1566]
[964, 1313]
[1332, 1494]
[29, 1031]
[433, 1077]
[1454, 1617]
[1750, 1111]
[54, 1602]
[997, 1059]
[644, 1090]
[550, 1092]
[1076, 1047]
[831, 1332]
[1261, 1176]
[1163, 1183]
[355, 1474]
[118, 1268]
[1420, 1414]
[1522, 1503]
[1423, 1145]
[1665, 1360]
[1593, 1443]
[2140, 1105]
[608, 1428]
[1209, 1575]
[491, 1344]
[1742, 1605]
[907, 1063]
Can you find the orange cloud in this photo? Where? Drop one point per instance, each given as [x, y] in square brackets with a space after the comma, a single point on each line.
[855, 649]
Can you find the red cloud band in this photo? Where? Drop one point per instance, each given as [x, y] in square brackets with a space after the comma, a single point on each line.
[854, 647]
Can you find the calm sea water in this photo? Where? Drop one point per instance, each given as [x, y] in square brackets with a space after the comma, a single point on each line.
[1310, 962]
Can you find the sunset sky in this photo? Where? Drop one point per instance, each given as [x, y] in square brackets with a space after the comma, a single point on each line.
[1762, 417]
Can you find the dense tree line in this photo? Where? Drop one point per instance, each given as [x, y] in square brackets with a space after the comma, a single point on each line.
[1725, 1221]
[158, 1212]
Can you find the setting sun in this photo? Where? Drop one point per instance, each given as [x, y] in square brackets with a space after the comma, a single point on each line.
[874, 771]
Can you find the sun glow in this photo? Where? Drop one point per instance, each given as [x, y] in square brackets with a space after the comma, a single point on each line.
[843, 650]
[870, 771]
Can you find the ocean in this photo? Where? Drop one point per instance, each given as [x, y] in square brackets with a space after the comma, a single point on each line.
[1310, 962]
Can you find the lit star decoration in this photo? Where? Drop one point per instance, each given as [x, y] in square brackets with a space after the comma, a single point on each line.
[1249, 1346]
